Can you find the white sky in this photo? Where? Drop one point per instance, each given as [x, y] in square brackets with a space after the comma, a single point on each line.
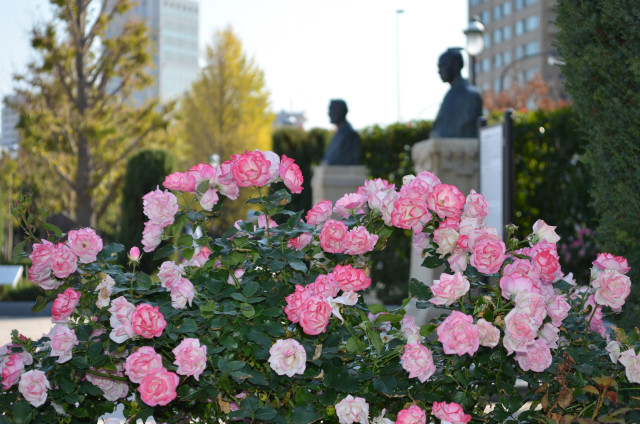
[311, 51]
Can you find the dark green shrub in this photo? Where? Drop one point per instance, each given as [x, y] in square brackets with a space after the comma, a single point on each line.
[146, 170]
[386, 153]
[599, 40]
[307, 148]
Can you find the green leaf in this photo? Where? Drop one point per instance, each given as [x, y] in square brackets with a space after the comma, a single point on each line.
[247, 310]
[18, 251]
[110, 251]
[67, 386]
[22, 412]
[419, 290]
[41, 302]
[385, 384]
[375, 339]
[238, 296]
[376, 308]
[266, 413]
[303, 415]
[187, 325]
[298, 265]
[250, 288]
[164, 251]
[207, 310]
[53, 228]
[426, 330]
[432, 262]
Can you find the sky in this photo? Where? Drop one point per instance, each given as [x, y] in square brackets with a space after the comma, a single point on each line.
[381, 62]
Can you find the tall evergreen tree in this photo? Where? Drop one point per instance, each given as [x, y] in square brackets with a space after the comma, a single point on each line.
[599, 41]
[77, 117]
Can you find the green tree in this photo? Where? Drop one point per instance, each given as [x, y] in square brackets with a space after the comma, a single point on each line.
[77, 119]
[599, 41]
[227, 111]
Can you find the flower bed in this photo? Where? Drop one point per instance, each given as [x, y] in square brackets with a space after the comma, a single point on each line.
[267, 323]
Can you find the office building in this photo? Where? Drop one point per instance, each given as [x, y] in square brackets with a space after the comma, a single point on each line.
[518, 44]
[10, 137]
[289, 119]
[173, 25]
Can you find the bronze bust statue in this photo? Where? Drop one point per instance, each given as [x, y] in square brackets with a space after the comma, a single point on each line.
[344, 148]
[461, 106]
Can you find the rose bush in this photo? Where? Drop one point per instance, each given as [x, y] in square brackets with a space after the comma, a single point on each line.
[267, 323]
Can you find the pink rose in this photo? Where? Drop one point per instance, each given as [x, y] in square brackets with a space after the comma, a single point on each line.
[159, 388]
[224, 181]
[558, 309]
[545, 232]
[333, 236]
[182, 293]
[449, 288]
[85, 244]
[410, 213]
[42, 255]
[141, 363]
[64, 305]
[169, 274]
[200, 258]
[274, 168]
[10, 369]
[324, 285]
[294, 302]
[112, 389]
[446, 201]
[458, 261]
[349, 204]
[191, 358]
[358, 241]
[631, 363]
[291, 174]
[451, 413]
[533, 304]
[147, 321]
[411, 415]
[594, 317]
[63, 339]
[475, 206]
[458, 334]
[376, 191]
[420, 241]
[523, 268]
[611, 289]
[446, 239]
[251, 169]
[520, 329]
[134, 254]
[151, 236]
[513, 284]
[546, 261]
[319, 213]
[287, 357]
[352, 410]
[607, 261]
[203, 172]
[488, 333]
[180, 181]
[410, 330]
[235, 276]
[550, 334]
[209, 199]
[121, 311]
[349, 278]
[488, 256]
[537, 357]
[160, 207]
[314, 315]
[300, 242]
[34, 386]
[418, 361]
[63, 261]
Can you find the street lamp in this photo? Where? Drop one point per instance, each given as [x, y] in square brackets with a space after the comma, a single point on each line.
[398, 13]
[475, 43]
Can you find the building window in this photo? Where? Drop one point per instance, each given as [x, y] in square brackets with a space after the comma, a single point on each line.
[519, 28]
[496, 85]
[518, 4]
[531, 23]
[497, 61]
[506, 33]
[519, 52]
[497, 36]
[506, 57]
[497, 12]
[531, 48]
[485, 17]
[528, 3]
[506, 8]
[487, 41]
[486, 65]
[530, 73]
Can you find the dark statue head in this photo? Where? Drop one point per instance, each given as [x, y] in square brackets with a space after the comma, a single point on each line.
[450, 64]
[338, 111]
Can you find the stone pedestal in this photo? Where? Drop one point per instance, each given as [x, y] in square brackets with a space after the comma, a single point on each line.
[455, 161]
[331, 182]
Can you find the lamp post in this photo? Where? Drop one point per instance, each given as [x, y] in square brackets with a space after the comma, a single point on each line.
[475, 43]
[398, 13]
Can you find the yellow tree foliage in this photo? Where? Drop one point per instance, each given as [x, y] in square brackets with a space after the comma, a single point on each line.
[227, 110]
[77, 119]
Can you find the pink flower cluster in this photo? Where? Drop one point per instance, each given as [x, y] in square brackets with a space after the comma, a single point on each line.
[52, 263]
[160, 207]
[112, 389]
[450, 413]
[335, 237]
[12, 365]
[313, 304]
[128, 321]
[181, 289]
